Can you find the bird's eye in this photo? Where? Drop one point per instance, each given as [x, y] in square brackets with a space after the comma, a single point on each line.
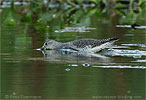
[46, 43]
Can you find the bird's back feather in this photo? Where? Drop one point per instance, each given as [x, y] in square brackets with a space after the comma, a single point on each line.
[93, 45]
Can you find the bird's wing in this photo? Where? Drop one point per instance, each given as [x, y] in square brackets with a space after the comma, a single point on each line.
[93, 44]
[81, 43]
[106, 43]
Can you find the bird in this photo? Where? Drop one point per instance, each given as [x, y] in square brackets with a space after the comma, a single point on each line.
[80, 45]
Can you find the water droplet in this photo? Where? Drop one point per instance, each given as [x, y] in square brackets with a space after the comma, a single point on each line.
[74, 65]
[86, 65]
[67, 69]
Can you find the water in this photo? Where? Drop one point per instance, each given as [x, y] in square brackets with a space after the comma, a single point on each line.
[112, 74]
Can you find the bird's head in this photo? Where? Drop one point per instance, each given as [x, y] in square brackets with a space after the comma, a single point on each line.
[50, 45]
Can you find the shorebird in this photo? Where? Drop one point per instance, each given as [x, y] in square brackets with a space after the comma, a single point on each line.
[81, 45]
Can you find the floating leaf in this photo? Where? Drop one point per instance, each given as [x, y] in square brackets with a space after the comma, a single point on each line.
[119, 5]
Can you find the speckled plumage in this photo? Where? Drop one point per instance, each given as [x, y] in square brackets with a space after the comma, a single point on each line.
[92, 45]
[92, 42]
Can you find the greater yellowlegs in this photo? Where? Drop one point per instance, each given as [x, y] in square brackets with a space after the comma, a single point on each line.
[81, 45]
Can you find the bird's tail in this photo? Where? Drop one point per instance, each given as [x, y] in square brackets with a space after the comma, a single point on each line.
[107, 44]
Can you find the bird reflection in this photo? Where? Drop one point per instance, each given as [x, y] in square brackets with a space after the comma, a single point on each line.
[74, 57]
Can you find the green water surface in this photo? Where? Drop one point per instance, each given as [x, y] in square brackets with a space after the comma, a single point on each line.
[27, 74]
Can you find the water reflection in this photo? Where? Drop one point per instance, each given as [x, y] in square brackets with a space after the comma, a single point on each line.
[73, 57]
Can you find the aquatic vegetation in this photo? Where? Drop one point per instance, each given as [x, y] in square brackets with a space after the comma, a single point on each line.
[10, 21]
[70, 12]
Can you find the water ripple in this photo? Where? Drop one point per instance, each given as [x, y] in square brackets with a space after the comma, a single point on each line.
[128, 53]
[129, 26]
[119, 66]
[139, 45]
[75, 29]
